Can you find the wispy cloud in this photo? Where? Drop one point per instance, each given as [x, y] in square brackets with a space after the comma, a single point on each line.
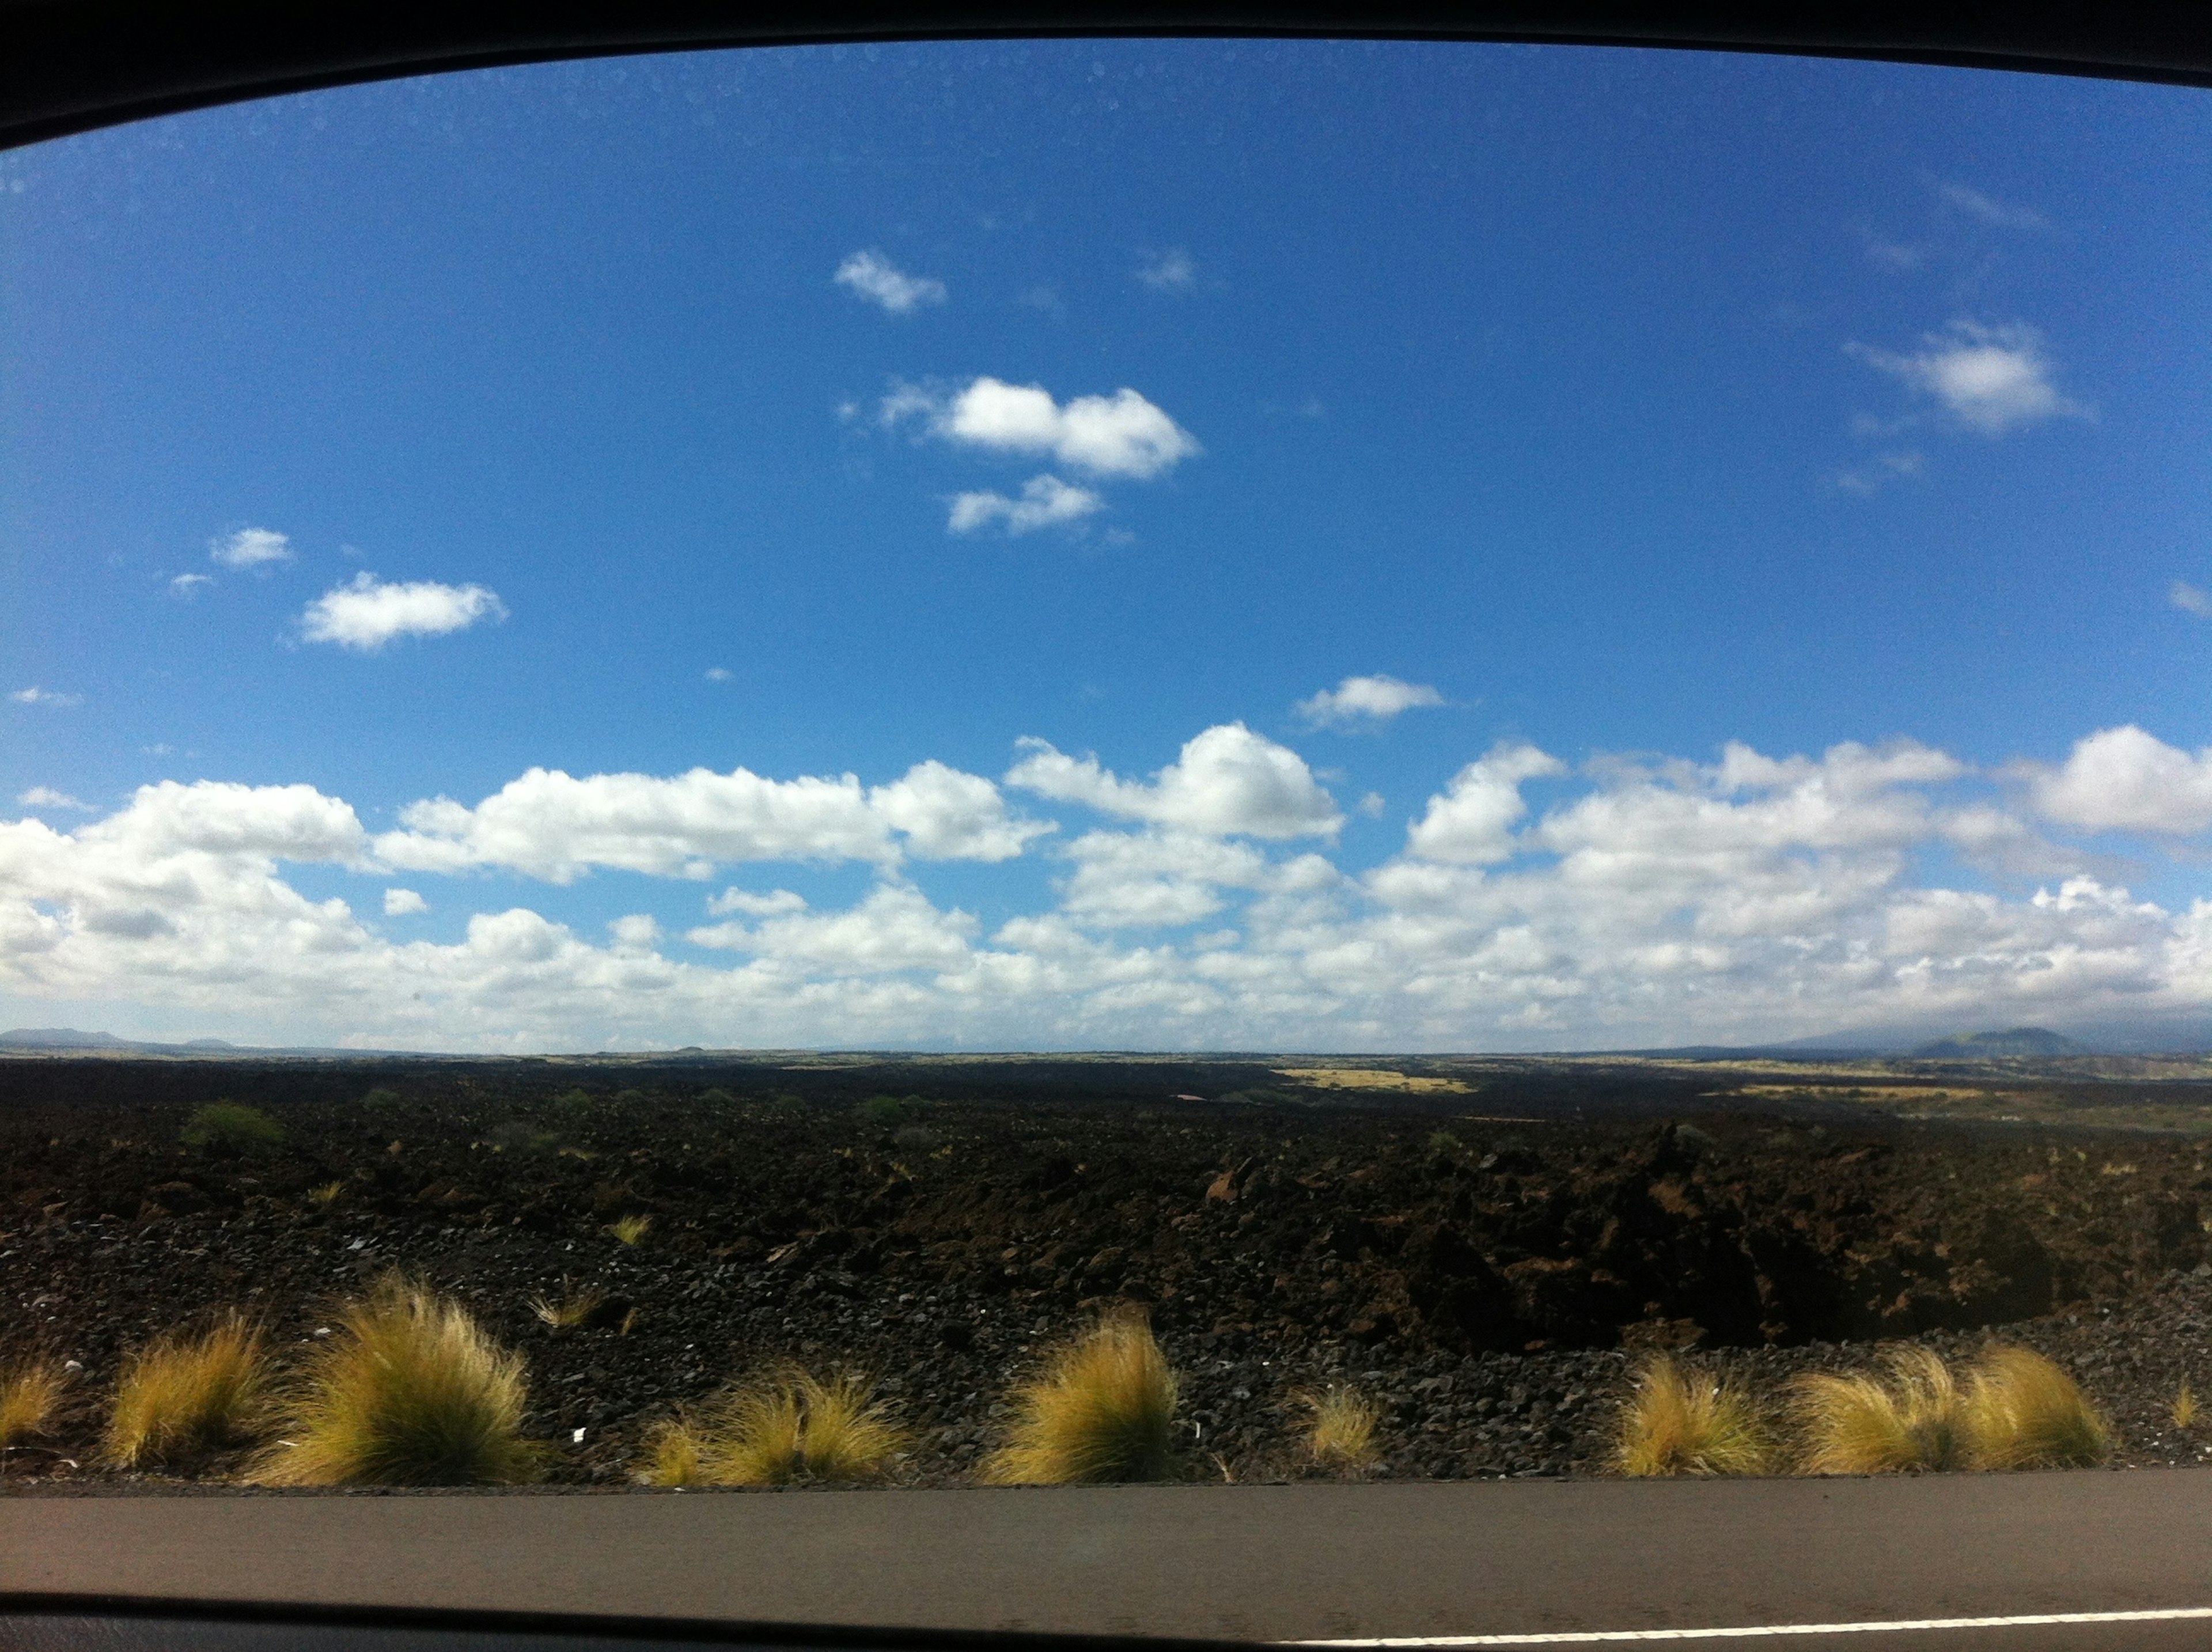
[875, 278]
[1046, 502]
[187, 585]
[45, 797]
[721, 674]
[35, 695]
[251, 548]
[367, 612]
[2191, 599]
[1989, 209]
[1170, 271]
[1365, 700]
[1992, 379]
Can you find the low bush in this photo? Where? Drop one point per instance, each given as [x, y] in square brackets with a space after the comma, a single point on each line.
[232, 1125]
[31, 1396]
[1339, 1431]
[887, 1111]
[1681, 1421]
[182, 1395]
[1101, 1409]
[788, 1425]
[409, 1391]
[2026, 1412]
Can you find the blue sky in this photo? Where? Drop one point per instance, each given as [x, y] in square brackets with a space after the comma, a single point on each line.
[1626, 404]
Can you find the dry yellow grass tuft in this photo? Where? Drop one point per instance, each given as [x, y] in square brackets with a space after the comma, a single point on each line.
[2026, 1412]
[2185, 1408]
[1103, 1409]
[570, 1312]
[630, 1228]
[1915, 1419]
[788, 1425]
[326, 1194]
[1687, 1421]
[1340, 1431]
[31, 1396]
[181, 1395]
[410, 1392]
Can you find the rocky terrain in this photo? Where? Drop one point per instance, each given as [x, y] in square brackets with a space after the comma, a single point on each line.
[1485, 1260]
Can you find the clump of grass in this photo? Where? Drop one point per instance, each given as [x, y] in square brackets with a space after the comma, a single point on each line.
[571, 1311]
[788, 1425]
[232, 1124]
[327, 1193]
[1913, 1418]
[1101, 1409]
[1679, 1421]
[31, 1396]
[1339, 1431]
[182, 1394]
[630, 1228]
[410, 1392]
[2185, 1408]
[2026, 1412]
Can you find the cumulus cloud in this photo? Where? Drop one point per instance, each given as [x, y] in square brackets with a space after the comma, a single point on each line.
[1471, 822]
[45, 797]
[1228, 781]
[895, 928]
[1367, 700]
[875, 278]
[35, 695]
[1171, 271]
[554, 826]
[1990, 378]
[250, 548]
[367, 613]
[774, 904]
[2191, 599]
[187, 585]
[1046, 502]
[403, 903]
[2125, 779]
[1118, 435]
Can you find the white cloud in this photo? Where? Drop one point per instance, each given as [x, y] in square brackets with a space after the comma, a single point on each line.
[1046, 502]
[721, 674]
[1171, 271]
[1365, 700]
[403, 903]
[187, 585]
[1989, 210]
[895, 928]
[1473, 822]
[35, 695]
[251, 548]
[1228, 781]
[775, 904]
[45, 797]
[554, 826]
[1118, 435]
[639, 932]
[877, 279]
[1990, 378]
[2124, 779]
[2191, 599]
[367, 612]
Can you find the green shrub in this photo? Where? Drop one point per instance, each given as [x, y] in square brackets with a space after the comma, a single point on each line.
[231, 1124]
[574, 1102]
[380, 1100]
[887, 1111]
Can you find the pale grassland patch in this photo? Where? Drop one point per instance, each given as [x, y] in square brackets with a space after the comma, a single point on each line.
[1682, 1421]
[1340, 1431]
[183, 1394]
[1102, 1408]
[31, 1396]
[783, 1426]
[410, 1392]
[1375, 1078]
[630, 1228]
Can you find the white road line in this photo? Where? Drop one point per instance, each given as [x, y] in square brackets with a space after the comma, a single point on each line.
[1753, 1632]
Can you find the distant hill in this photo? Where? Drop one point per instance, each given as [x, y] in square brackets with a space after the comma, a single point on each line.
[2019, 1040]
[61, 1038]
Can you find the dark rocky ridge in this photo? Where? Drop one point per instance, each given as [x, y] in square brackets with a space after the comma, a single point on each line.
[1482, 1275]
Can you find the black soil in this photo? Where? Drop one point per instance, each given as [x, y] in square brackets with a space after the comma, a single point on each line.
[1488, 1279]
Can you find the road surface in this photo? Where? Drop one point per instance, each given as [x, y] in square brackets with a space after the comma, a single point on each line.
[1437, 1562]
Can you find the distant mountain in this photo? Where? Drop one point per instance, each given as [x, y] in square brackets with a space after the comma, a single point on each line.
[2020, 1041]
[61, 1038]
